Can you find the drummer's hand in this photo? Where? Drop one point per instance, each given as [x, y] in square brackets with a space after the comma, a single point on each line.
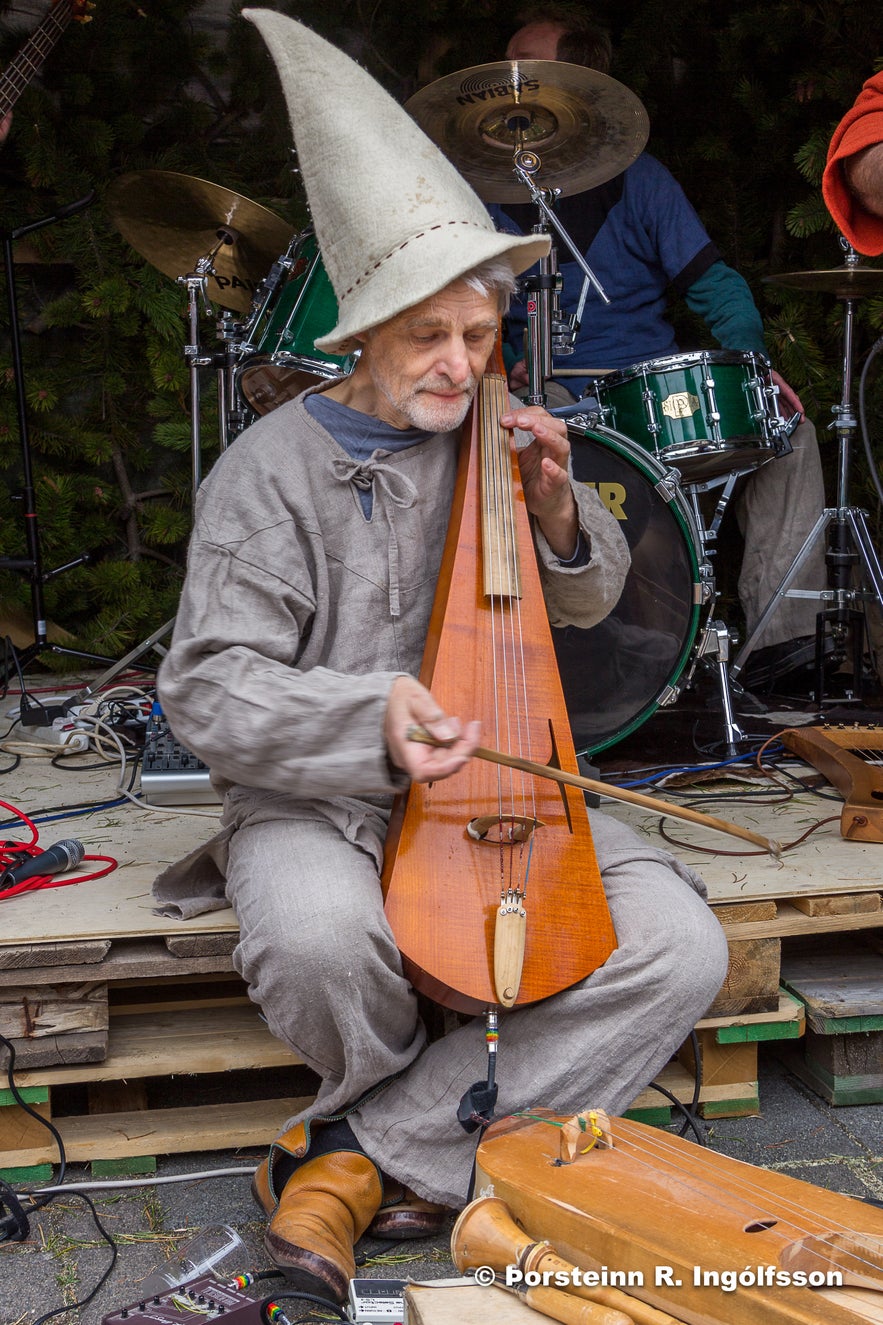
[518, 380]
[410, 705]
[547, 491]
[789, 401]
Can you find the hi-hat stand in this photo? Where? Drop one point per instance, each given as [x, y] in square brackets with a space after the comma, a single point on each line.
[32, 564]
[849, 544]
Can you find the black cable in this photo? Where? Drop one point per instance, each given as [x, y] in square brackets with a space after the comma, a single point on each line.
[61, 1311]
[694, 1102]
[691, 1121]
[291, 1295]
[20, 1212]
[37, 1203]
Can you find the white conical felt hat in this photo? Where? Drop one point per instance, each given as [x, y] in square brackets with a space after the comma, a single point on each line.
[394, 220]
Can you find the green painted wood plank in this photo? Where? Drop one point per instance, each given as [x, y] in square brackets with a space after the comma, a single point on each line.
[41, 1173]
[121, 1168]
[30, 1095]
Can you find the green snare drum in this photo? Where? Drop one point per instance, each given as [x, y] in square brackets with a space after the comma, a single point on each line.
[709, 413]
[281, 357]
[618, 673]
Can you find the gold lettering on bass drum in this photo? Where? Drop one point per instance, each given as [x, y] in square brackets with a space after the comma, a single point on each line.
[680, 405]
[613, 496]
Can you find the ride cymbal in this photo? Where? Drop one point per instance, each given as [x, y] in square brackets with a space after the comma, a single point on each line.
[173, 220]
[584, 126]
[845, 282]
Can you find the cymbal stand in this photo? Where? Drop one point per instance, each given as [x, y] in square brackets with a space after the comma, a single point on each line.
[197, 301]
[543, 313]
[238, 342]
[33, 562]
[849, 542]
[197, 298]
[232, 418]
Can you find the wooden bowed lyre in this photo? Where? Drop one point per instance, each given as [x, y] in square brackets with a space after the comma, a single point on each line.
[851, 758]
[668, 1227]
[491, 884]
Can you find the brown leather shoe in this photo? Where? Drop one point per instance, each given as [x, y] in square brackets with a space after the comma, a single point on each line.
[324, 1207]
[260, 1188]
[408, 1217]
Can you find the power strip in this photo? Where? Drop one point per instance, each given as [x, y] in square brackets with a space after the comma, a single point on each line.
[200, 1300]
[64, 731]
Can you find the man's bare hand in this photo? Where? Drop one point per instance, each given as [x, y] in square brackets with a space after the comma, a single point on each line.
[412, 705]
[543, 464]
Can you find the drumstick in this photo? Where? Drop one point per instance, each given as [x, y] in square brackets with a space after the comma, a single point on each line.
[421, 735]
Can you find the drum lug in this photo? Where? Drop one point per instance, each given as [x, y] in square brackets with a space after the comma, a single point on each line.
[654, 427]
[713, 411]
[669, 485]
[668, 696]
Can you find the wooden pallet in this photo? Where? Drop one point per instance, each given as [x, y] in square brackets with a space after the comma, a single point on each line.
[209, 1027]
[144, 1045]
[841, 987]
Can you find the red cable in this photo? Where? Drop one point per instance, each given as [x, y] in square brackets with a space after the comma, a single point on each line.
[11, 853]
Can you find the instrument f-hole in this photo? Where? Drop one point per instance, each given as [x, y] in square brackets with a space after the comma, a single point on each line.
[759, 1225]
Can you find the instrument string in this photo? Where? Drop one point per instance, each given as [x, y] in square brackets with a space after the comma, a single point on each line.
[501, 670]
[523, 697]
[787, 1211]
[499, 486]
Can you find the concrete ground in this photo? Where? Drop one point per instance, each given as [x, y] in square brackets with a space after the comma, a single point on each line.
[796, 1133]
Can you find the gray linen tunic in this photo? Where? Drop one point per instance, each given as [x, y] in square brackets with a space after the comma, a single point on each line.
[297, 615]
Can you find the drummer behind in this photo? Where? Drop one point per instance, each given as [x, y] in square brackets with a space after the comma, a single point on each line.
[853, 181]
[642, 239]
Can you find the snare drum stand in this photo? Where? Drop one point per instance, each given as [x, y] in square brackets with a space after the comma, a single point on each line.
[849, 542]
[714, 642]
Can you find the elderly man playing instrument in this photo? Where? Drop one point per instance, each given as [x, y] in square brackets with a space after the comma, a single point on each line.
[317, 543]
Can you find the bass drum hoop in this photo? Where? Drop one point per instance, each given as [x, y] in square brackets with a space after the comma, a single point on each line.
[673, 506]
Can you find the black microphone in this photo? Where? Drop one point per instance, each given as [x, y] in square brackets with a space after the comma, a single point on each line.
[60, 856]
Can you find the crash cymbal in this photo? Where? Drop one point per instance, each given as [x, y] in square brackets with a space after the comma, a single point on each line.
[584, 126]
[845, 282]
[173, 220]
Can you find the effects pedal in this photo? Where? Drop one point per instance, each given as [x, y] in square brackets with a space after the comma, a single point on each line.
[201, 1300]
[376, 1301]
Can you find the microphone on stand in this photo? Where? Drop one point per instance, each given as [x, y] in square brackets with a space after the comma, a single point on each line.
[56, 859]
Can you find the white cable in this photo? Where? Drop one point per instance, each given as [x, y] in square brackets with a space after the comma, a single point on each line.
[139, 1182]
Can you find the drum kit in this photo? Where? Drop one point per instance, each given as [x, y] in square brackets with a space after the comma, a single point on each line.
[650, 439]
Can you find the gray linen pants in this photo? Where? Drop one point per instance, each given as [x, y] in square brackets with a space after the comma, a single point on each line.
[776, 510]
[319, 958]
